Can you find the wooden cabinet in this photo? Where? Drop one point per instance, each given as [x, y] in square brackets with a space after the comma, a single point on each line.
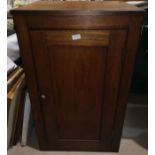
[78, 59]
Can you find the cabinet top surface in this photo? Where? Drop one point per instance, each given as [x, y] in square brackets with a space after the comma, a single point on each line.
[79, 8]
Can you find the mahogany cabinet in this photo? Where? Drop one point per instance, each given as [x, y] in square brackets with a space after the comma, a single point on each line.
[78, 58]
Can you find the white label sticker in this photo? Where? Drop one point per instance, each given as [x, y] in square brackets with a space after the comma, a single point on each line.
[76, 36]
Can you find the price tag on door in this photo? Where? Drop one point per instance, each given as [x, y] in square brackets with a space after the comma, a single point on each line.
[76, 36]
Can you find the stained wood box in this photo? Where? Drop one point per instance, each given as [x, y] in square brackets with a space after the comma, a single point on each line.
[78, 58]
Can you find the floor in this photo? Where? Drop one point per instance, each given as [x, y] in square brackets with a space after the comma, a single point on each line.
[134, 138]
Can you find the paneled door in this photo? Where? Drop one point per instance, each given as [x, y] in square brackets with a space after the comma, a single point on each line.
[78, 74]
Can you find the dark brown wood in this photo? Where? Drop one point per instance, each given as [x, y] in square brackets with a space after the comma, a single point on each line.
[78, 86]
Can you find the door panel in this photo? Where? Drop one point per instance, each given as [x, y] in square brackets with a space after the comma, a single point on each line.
[77, 79]
[80, 82]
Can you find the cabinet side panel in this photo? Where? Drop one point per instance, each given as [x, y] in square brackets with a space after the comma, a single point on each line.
[112, 80]
[126, 76]
[27, 59]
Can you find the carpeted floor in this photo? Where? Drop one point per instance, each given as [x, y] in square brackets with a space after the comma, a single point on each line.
[128, 147]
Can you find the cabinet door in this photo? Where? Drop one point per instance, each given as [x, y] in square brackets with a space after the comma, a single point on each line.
[78, 74]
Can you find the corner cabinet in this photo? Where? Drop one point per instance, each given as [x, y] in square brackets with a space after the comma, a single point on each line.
[78, 59]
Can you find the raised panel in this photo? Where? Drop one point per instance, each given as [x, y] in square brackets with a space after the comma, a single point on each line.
[77, 75]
